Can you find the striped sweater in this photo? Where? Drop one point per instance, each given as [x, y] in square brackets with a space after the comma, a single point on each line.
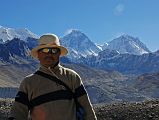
[44, 99]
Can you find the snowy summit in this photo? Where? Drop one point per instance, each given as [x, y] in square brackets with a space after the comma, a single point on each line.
[79, 44]
[127, 44]
[11, 33]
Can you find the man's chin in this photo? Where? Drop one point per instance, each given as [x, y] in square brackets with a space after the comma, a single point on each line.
[49, 65]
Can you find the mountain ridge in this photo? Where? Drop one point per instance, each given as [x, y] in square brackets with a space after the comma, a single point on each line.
[108, 84]
[124, 63]
[11, 33]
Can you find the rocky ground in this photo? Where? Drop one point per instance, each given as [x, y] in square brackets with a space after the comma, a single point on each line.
[147, 110]
[5, 105]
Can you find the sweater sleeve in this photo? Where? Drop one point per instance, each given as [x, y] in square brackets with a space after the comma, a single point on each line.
[83, 99]
[20, 108]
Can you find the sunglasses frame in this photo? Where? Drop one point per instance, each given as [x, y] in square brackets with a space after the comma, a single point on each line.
[50, 50]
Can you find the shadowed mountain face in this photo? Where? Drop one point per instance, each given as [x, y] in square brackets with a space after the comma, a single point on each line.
[13, 49]
[4, 55]
[17, 47]
[125, 63]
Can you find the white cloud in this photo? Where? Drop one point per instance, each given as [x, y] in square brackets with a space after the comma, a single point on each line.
[68, 31]
[119, 9]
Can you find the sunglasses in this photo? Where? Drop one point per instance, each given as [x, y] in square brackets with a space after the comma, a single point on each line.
[49, 50]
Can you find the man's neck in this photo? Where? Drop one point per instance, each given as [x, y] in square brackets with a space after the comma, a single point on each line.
[54, 66]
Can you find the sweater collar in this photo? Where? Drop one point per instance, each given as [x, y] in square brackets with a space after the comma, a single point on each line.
[50, 70]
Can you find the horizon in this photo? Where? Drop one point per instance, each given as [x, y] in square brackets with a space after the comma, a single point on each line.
[100, 21]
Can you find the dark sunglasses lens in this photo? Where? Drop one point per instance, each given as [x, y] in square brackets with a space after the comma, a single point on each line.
[54, 51]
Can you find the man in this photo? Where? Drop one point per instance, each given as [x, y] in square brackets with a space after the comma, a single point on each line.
[46, 99]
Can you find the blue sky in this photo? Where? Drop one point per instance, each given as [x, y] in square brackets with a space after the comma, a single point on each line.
[100, 20]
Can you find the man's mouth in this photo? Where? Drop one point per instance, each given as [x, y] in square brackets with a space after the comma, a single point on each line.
[48, 58]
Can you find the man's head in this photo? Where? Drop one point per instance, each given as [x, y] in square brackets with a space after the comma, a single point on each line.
[49, 50]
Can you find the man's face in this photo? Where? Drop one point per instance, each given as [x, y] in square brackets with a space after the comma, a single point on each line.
[48, 57]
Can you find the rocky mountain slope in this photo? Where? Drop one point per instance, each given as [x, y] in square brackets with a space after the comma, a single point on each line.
[148, 84]
[107, 86]
[125, 63]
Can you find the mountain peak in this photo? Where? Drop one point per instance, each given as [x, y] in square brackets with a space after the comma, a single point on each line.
[11, 33]
[78, 42]
[127, 37]
[74, 32]
[128, 44]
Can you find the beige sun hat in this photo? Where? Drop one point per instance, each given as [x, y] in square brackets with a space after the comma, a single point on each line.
[48, 40]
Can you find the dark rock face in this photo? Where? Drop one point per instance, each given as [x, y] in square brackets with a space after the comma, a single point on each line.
[124, 63]
[4, 53]
[18, 47]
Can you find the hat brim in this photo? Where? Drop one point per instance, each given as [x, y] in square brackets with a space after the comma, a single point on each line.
[34, 51]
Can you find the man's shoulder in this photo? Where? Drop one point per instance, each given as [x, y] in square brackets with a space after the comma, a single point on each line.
[29, 77]
[69, 70]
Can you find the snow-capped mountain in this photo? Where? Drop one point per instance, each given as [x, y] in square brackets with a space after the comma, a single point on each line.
[79, 44]
[127, 44]
[99, 46]
[11, 33]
